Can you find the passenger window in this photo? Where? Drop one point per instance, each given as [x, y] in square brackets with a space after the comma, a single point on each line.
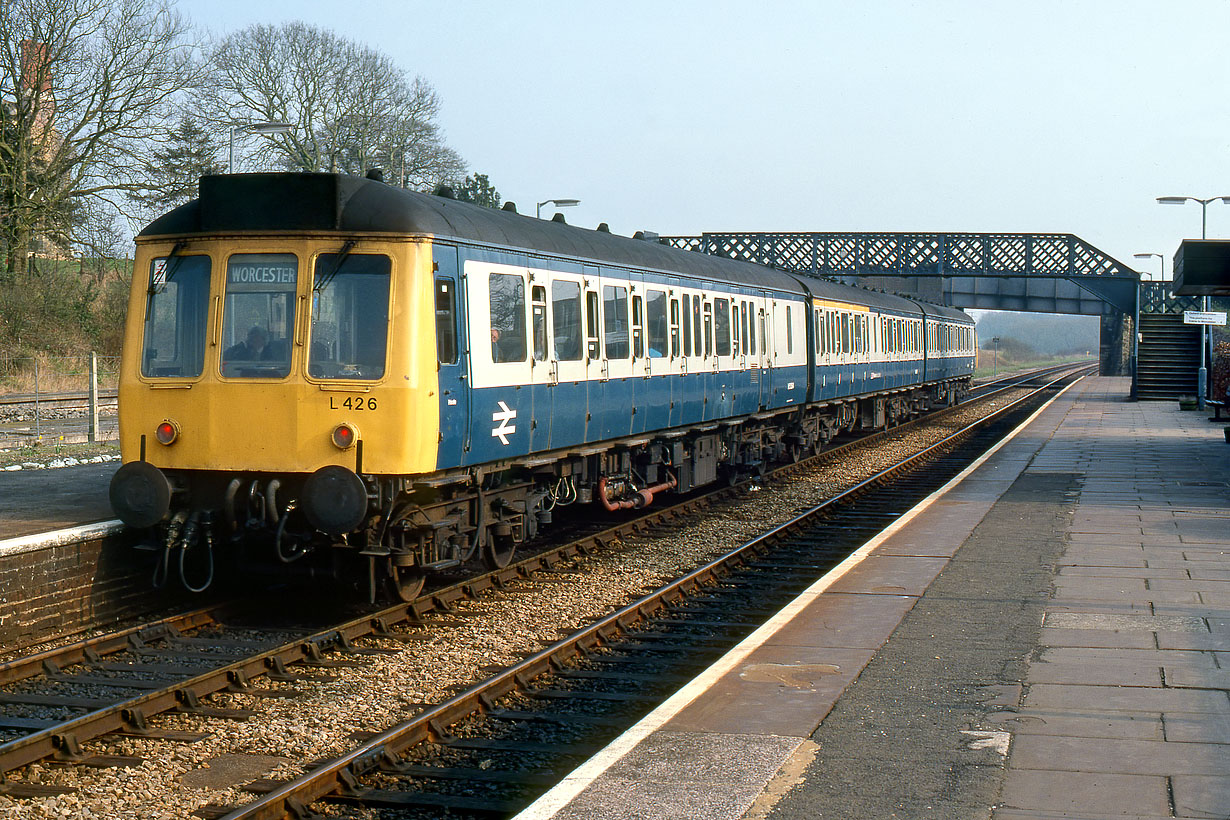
[446, 322]
[743, 325]
[176, 317]
[674, 328]
[696, 325]
[721, 326]
[708, 330]
[538, 320]
[638, 325]
[259, 310]
[687, 325]
[592, 347]
[507, 317]
[566, 319]
[789, 332]
[615, 321]
[659, 330]
[752, 327]
[734, 327]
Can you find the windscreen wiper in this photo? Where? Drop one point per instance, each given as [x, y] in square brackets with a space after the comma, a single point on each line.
[172, 262]
[337, 264]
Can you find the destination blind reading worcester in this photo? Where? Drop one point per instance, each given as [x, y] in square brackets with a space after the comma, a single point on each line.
[262, 274]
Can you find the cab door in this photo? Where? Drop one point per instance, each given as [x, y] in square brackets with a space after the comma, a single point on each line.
[450, 339]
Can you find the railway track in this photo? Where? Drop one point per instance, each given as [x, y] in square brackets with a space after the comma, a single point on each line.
[525, 716]
[31, 418]
[298, 660]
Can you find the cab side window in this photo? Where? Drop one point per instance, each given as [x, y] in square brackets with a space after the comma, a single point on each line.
[446, 321]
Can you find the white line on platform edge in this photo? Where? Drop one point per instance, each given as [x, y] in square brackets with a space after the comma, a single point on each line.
[551, 803]
[59, 538]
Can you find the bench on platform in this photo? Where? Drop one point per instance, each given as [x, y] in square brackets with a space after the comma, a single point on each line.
[1218, 407]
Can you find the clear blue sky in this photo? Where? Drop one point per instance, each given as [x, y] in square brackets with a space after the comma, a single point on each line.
[682, 117]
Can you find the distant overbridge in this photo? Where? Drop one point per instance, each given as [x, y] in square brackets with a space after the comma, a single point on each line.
[1043, 273]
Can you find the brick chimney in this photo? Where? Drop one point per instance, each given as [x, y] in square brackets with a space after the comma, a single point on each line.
[36, 80]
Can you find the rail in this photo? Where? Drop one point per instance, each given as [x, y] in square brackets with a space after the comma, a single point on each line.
[58, 399]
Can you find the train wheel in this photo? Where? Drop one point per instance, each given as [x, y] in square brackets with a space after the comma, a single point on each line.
[498, 551]
[406, 582]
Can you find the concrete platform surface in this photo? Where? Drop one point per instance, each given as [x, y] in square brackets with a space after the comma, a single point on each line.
[1049, 638]
[34, 501]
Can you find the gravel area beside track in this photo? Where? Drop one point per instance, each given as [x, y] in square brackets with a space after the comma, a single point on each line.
[505, 627]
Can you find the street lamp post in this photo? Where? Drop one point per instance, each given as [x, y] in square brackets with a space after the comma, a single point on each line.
[1202, 375]
[1136, 335]
[559, 203]
[252, 128]
[1150, 256]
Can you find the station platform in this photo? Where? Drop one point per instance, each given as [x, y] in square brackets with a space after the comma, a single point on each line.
[38, 501]
[1047, 637]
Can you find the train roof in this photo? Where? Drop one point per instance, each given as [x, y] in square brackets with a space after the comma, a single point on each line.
[347, 204]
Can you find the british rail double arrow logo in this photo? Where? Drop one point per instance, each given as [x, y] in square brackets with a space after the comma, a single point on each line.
[504, 415]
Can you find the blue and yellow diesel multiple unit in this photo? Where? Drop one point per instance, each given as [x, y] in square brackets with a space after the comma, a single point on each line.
[327, 371]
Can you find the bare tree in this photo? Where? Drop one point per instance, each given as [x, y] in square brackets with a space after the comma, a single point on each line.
[86, 85]
[351, 107]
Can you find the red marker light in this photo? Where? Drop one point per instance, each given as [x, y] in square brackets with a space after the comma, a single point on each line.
[166, 432]
[344, 436]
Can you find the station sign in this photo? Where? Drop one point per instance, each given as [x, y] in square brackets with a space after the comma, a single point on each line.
[1204, 317]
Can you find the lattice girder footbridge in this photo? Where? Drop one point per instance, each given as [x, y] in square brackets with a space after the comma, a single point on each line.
[944, 255]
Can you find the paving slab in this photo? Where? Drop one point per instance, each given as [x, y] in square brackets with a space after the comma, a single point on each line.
[1118, 755]
[1071, 723]
[1201, 796]
[1082, 794]
[891, 575]
[1124, 698]
[1098, 638]
[788, 689]
[1197, 728]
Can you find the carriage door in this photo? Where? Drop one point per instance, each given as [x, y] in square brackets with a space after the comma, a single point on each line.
[450, 342]
[596, 372]
[567, 364]
[764, 347]
[544, 370]
[617, 395]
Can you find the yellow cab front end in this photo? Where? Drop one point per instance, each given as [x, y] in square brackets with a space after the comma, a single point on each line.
[265, 374]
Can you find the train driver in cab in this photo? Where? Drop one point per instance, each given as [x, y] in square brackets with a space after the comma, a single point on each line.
[254, 349]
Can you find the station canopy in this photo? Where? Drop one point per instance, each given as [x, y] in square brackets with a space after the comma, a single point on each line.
[1202, 268]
